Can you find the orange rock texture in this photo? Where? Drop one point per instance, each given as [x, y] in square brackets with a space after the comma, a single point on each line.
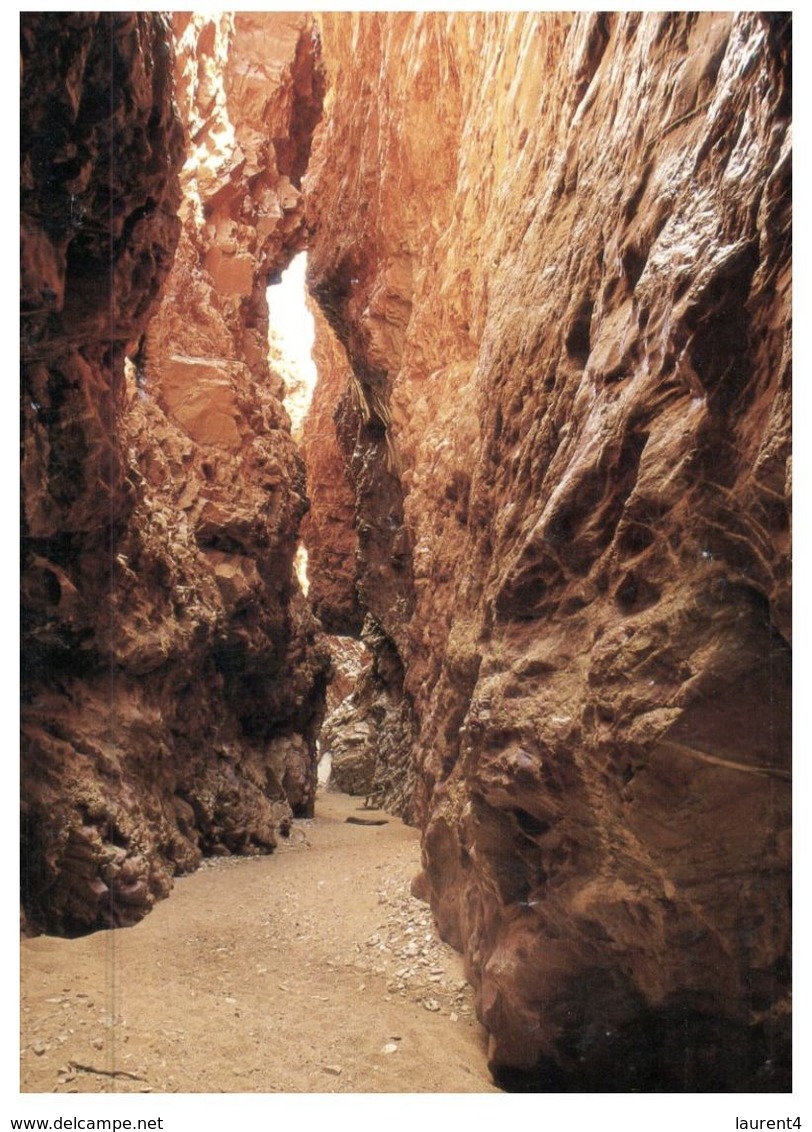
[172, 678]
[330, 525]
[556, 249]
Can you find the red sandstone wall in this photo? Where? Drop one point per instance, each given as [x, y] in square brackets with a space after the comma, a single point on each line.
[171, 677]
[557, 251]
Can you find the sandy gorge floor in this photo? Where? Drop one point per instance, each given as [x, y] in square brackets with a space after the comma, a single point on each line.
[312, 970]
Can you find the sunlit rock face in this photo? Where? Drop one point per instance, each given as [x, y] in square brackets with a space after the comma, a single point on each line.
[172, 680]
[250, 88]
[556, 250]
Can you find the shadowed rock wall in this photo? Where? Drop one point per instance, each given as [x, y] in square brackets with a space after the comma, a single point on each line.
[330, 525]
[556, 249]
[172, 682]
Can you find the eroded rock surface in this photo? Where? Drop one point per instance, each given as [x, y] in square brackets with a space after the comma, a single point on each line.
[556, 250]
[329, 526]
[369, 735]
[172, 678]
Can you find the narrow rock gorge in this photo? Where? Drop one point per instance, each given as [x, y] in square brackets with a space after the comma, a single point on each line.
[546, 479]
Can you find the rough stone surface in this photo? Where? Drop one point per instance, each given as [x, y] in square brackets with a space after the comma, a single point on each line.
[350, 657]
[172, 680]
[566, 304]
[329, 526]
[369, 736]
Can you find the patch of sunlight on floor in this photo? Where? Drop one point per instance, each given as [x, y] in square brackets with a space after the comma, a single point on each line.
[291, 334]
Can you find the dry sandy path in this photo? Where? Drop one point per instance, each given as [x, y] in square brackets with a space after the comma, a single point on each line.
[312, 970]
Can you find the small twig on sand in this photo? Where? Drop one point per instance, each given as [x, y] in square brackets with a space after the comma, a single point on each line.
[105, 1072]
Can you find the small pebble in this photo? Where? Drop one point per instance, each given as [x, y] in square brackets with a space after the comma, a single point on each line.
[335, 1070]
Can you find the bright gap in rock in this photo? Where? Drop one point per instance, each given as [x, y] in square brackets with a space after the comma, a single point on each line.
[291, 334]
[300, 568]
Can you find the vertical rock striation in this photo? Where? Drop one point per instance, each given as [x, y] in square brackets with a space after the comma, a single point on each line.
[330, 525]
[171, 675]
[556, 249]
